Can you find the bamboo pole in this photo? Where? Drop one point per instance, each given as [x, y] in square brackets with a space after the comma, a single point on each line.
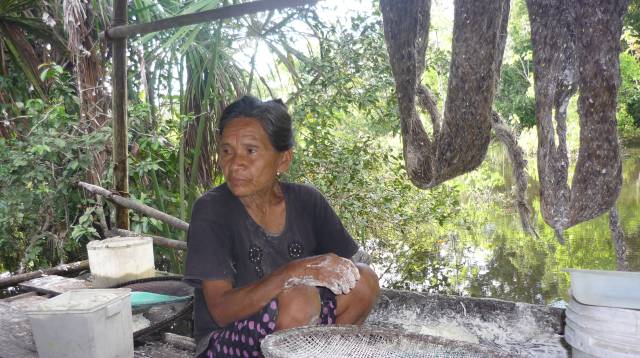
[134, 205]
[121, 31]
[57, 270]
[157, 240]
[119, 110]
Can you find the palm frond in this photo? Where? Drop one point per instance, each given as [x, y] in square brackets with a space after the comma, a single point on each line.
[39, 29]
[22, 54]
[74, 14]
[12, 7]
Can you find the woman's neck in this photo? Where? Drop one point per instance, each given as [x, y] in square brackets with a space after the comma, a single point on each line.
[262, 201]
[267, 209]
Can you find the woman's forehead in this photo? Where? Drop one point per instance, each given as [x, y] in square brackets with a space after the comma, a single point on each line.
[244, 127]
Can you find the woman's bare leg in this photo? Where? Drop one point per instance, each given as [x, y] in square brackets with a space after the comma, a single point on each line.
[354, 307]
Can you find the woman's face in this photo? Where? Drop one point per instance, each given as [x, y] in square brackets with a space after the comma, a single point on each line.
[248, 161]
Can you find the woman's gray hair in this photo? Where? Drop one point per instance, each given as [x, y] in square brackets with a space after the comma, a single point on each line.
[272, 115]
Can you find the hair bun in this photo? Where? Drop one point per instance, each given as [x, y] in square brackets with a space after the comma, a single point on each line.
[279, 101]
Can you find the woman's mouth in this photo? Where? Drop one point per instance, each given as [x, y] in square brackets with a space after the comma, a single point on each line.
[237, 180]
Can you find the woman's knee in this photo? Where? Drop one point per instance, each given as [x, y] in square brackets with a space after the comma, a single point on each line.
[297, 306]
[368, 285]
[354, 307]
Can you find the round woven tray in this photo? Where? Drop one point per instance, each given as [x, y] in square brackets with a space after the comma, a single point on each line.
[363, 341]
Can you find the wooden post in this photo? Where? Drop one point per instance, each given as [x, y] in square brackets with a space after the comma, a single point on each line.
[119, 112]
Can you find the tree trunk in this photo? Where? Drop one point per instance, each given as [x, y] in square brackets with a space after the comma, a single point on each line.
[86, 52]
[199, 130]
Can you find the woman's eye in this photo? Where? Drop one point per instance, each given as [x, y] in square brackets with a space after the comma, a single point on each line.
[252, 151]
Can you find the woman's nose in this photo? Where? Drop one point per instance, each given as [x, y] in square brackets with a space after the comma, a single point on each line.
[238, 161]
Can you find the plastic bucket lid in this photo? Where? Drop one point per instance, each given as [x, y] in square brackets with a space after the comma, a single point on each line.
[118, 242]
[596, 346]
[606, 288]
[79, 301]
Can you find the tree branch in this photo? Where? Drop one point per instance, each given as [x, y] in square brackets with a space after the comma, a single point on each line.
[157, 240]
[58, 270]
[135, 205]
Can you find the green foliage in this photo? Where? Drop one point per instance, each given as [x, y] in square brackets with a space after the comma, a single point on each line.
[351, 74]
[84, 228]
[632, 17]
[629, 96]
[38, 203]
[16, 89]
[513, 101]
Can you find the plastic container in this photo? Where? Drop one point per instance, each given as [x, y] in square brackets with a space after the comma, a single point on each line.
[120, 259]
[606, 288]
[615, 338]
[619, 321]
[597, 331]
[84, 323]
[585, 344]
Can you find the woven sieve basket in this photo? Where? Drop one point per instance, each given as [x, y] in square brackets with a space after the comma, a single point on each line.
[361, 342]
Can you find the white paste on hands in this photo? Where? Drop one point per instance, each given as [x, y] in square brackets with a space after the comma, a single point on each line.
[344, 276]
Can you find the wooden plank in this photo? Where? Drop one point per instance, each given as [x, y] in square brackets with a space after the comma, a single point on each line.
[54, 284]
[124, 31]
[119, 110]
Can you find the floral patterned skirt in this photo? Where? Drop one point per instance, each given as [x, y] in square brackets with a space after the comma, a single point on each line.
[242, 338]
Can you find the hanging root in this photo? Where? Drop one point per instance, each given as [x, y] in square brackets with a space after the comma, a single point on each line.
[519, 170]
[598, 176]
[461, 138]
[576, 45]
[617, 235]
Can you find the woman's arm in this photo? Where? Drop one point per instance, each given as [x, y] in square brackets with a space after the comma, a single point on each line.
[227, 304]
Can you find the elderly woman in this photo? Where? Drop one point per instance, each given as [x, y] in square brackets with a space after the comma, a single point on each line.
[266, 255]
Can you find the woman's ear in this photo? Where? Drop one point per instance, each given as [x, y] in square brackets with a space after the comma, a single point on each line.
[285, 160]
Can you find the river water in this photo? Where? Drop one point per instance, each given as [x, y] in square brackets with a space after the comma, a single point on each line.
[498, 260]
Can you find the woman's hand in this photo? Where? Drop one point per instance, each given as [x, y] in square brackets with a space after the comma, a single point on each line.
[331, 271]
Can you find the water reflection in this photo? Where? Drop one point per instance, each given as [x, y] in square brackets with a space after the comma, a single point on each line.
[522, 268]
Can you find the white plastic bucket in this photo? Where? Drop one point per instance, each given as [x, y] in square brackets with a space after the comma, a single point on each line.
[612, 321]
[587, 345]
[84, 323]
[616, 338]
[120, 259]
[627, 316]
